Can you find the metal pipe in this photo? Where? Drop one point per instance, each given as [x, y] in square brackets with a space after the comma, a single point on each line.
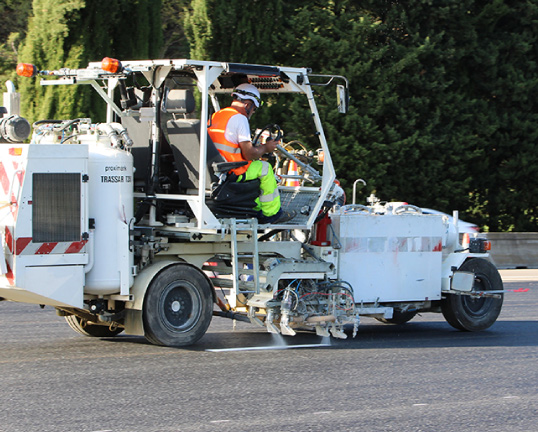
[355, 188]
[315, 174]
[10, 86]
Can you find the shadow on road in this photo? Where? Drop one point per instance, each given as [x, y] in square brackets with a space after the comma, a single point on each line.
[370, 336]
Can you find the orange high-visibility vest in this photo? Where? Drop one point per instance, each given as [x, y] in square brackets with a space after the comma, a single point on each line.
[230, 151]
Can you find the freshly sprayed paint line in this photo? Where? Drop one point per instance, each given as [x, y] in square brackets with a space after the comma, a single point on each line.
[277, 347]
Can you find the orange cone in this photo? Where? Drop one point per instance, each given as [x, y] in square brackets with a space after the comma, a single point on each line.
[293, 170]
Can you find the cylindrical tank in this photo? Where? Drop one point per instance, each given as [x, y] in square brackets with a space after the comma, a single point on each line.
[110, 209]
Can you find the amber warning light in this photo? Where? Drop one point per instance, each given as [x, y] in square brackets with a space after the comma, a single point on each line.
[111, 65]
[26, 70]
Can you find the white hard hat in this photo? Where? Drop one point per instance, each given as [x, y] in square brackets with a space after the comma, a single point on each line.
[248, 91]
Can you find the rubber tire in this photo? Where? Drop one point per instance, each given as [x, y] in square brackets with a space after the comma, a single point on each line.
[178, 306]
[465, 313]
[398, 317]
[91, 330]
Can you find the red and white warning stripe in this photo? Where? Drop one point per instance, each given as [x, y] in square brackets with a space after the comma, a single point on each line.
[11, 171]
[392, 244]
[24, 246]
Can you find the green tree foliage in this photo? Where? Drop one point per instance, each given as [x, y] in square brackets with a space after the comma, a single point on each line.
[175, 44]
[235, 31]
[464, 121]
[198, 29]
[13, 24]
[71, 33]
[500, 69]
[442, 110]
[332, 38]
[421, 145]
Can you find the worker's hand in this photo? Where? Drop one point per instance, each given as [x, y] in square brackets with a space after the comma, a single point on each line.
[270, 145]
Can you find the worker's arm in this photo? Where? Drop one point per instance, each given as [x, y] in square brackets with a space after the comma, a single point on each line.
[251, 152]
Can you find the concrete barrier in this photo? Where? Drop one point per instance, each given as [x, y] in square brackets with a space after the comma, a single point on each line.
[514, 250]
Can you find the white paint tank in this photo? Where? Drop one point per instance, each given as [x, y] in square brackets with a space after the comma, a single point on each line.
[390, 258]
[110, 207]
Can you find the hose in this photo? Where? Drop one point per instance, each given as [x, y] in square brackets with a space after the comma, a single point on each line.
[231, 315]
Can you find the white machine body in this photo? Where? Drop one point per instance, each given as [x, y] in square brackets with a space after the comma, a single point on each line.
[390, 258]
[136, 224]
[51, 194]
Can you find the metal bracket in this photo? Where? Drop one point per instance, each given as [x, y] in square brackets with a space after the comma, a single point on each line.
[477, 294]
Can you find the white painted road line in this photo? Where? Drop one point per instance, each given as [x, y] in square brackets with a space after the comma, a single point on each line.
[273, 347]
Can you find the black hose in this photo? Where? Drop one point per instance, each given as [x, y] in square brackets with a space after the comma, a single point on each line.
[232, 315]
[270, 234]
[37, 123]
[69, 123]
[67, 138]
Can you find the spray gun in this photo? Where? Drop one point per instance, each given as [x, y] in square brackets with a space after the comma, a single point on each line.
[285, 309]
[271, 328]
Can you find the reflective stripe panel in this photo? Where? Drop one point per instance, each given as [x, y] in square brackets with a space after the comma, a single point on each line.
[392, 244]
[227, 148]
[269, 197]
[265, 168]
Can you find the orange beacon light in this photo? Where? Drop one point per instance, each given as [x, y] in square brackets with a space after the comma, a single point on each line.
[111, 65]
[26, 70]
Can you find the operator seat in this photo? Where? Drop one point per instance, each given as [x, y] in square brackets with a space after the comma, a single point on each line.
[183, 135]
[230, 199]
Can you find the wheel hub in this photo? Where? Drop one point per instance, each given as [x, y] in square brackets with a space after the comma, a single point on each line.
[180, 306]
[477, 307]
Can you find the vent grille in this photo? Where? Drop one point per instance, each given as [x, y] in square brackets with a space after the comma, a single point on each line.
[56, 207]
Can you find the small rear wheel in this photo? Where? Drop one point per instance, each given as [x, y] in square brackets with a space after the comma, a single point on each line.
[82, 326]
[468, 313]
[178, 306]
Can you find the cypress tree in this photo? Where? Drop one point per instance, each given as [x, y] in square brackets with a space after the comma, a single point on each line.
[442, 113]
[198, 29]
[235, 32]
[13, 24]
[502, 77]
[175, 44]
[71, 33]
[442, 93]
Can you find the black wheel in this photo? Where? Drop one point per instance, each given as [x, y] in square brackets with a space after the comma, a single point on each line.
[82, 326]
[398, 317]
[464, 312]
[178, 306]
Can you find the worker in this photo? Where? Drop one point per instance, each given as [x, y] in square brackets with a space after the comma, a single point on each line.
[229, 130]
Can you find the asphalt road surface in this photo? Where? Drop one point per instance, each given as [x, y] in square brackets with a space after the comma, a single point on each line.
[422, 376]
